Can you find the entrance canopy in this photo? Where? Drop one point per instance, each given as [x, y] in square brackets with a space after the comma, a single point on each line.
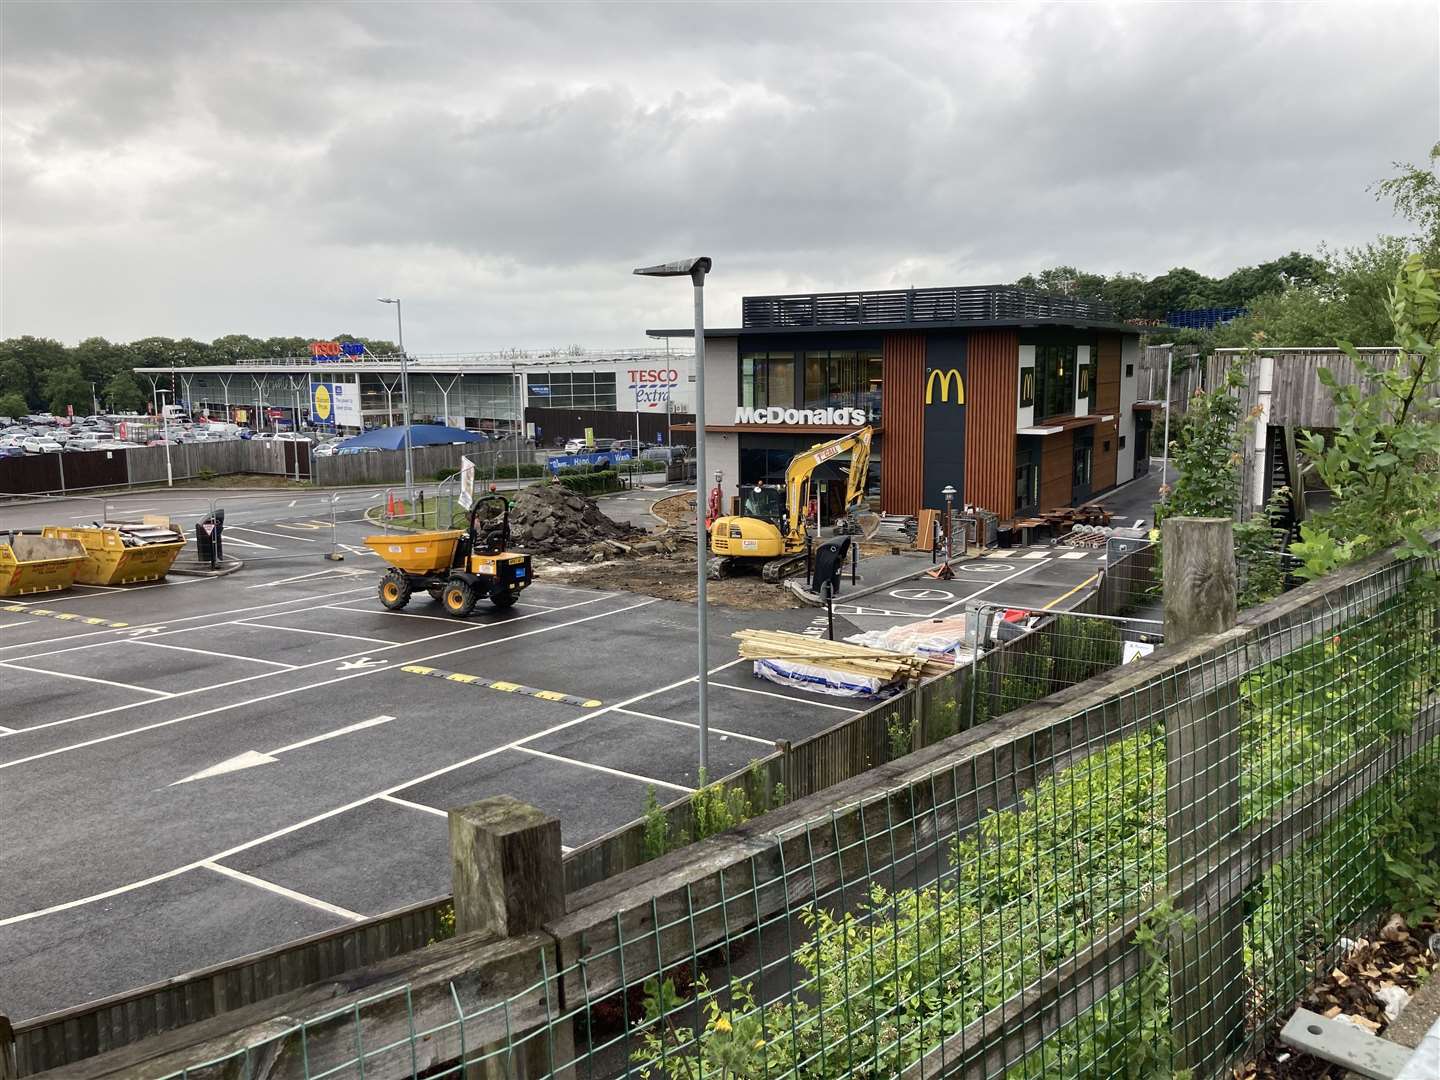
[393, 438]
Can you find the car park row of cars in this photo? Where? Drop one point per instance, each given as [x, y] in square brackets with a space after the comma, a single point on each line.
[42, 433]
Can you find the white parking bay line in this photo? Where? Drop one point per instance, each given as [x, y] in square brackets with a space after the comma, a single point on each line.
[280, 890]
[1033, 555]
[338, 571]
[783, 697]
[414, 805]
[605, 769]
[12, 625]
[1073, 555]
[272, 535]
[319, 633]
[338, 679]
[696, 727]
[206, 652]
[335, 811]
[86, 678]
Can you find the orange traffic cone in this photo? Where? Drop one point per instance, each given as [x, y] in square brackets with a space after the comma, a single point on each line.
[389, 504]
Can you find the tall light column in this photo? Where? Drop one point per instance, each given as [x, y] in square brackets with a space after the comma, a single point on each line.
[695, 270]
[405, 393]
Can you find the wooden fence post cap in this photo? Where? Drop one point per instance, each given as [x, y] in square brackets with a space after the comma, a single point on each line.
[501, 815]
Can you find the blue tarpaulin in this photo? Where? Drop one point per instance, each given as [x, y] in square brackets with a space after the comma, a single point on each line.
[393, 438]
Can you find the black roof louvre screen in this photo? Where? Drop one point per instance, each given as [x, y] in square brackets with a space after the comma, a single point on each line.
[891, 306]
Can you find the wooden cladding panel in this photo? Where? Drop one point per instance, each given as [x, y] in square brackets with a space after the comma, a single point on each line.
[992, 360]
[903, 409]
[1107, 375]
[1057, 470]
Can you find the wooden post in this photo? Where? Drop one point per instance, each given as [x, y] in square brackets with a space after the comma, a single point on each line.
[1202, 794]
[509, 880]
[9, 1067]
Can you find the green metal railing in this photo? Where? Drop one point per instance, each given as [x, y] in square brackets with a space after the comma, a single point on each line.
[1145, 876]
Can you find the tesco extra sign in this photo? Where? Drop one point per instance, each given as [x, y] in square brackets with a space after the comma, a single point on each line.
[652, 386]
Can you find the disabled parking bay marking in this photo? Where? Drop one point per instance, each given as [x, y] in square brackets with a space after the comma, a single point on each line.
[501, 685]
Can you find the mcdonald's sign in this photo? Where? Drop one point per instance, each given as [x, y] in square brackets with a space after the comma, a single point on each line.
[948, 381]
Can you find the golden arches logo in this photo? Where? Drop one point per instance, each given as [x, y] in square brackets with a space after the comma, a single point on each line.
[322, 403]
[945, 377]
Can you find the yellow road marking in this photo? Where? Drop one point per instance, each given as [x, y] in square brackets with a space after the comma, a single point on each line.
[504, 687]
[1092, 578]
[63, 616]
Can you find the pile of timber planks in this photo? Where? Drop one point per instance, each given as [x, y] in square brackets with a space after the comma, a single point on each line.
[837, 655]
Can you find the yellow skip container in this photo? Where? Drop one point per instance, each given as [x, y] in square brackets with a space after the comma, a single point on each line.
[38, 564]
[417, 553]
[122, 554]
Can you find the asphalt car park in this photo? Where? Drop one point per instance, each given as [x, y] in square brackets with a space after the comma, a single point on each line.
[200, 768]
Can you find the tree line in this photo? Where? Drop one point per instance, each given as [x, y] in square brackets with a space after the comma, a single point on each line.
[44, 374]
[1297, 299]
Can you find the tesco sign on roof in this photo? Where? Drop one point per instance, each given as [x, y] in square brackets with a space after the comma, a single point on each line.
[327, 349]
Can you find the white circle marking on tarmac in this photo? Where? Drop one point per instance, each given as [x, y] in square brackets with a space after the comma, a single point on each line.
[922, 594]
[983, 568]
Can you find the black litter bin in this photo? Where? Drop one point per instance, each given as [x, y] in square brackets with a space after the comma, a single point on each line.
[208, 544]
[830, 560]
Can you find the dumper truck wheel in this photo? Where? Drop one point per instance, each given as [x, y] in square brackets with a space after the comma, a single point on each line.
[394, 590]
[458, 598]
[502, 597]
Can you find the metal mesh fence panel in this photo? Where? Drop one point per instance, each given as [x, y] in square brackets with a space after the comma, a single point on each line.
[1144, 878]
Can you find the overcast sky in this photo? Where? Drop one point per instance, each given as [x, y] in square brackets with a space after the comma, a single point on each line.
[202, 169]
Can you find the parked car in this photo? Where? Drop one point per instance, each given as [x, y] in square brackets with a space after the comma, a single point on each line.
[347, 451]
[630, 445]
[42, 446]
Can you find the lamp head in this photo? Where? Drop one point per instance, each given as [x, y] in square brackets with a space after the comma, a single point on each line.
[695, 269]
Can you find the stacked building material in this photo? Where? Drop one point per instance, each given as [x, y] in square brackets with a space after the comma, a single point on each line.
[842, 656]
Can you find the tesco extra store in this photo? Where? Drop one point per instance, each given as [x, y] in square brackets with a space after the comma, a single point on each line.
[1023, 401]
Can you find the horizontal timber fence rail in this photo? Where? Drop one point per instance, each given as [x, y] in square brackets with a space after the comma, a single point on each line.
[971, 909]
[1148, 865]
[891, 729]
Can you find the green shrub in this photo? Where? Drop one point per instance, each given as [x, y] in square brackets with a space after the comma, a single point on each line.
[597, 483]
[207, 474]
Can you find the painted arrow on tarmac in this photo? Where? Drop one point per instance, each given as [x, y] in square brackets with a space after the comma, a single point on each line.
[363, 662]
[141, 631]
[251, 758]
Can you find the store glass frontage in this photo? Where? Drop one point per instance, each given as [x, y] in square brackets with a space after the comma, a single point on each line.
[813, 379]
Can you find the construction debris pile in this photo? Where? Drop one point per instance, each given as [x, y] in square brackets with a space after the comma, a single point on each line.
[551, 518]
[832, 667]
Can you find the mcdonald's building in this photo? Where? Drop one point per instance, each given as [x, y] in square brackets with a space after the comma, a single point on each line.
[1023, 401]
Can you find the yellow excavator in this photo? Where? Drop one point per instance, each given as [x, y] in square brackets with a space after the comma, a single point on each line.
[771, 530]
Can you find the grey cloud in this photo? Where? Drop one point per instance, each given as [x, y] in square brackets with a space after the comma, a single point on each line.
[531, 147]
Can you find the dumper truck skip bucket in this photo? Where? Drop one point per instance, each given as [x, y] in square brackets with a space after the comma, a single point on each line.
[38, 564]
[110, 561]
[417, 553]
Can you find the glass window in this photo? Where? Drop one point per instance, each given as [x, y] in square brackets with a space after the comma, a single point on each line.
[1055, 378]
[767, 379]
[843, 378]
[1083, 454]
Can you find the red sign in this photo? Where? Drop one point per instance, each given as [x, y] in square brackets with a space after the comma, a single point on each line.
[275, 414]
[325, 348]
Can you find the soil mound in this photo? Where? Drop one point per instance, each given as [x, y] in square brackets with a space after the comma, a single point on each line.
[553, 519]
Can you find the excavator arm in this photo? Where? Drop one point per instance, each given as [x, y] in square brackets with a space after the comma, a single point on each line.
[803, 465]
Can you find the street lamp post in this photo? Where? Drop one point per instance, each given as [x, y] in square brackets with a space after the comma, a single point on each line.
[165, 436]
[405, 394]
[1165, 449]
[695, 270]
